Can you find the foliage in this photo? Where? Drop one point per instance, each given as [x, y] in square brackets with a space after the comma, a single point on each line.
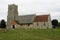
[54, 23]
[3, 24]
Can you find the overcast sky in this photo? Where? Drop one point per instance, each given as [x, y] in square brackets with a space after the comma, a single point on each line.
[38, 7]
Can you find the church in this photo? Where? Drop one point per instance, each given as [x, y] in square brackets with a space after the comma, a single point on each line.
[27, 21]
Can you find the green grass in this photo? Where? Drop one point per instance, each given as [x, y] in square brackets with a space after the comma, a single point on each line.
[30, 34]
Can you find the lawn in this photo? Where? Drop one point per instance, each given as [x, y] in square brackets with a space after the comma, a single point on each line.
[30, 34]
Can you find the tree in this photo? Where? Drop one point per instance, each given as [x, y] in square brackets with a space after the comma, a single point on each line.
[54, 23]
[3, 24]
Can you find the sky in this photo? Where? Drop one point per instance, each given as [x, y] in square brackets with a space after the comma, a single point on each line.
[38, 7]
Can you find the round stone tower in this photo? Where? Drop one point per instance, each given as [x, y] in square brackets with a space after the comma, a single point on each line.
[12, 14]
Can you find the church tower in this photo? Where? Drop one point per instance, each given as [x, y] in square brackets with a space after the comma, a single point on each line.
[12, 14]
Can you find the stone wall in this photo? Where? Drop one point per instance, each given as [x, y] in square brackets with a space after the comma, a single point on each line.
[12, 14]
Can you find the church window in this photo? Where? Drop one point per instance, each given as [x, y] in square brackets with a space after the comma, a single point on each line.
[37, 23]
[44, 24]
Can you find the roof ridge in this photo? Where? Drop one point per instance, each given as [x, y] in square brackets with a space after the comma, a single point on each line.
[28, 15]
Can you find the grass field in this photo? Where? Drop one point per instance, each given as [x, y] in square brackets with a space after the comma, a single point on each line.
[30, 34]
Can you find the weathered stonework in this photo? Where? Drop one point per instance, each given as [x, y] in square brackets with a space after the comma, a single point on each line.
[27, 21]
[12, 14]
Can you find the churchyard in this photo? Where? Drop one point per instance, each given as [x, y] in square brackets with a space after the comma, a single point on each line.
[30, 34]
